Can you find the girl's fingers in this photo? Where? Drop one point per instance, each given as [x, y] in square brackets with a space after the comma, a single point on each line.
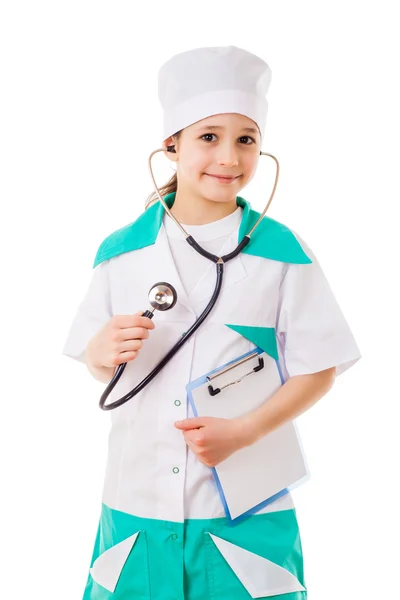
[134, 333]
[127, 335]
[129, 321]
[130, 345]
[126, 357]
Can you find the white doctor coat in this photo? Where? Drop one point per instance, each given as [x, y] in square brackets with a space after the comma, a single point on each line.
[274, 295]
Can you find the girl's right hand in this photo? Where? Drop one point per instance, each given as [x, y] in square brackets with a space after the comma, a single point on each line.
[119, 341]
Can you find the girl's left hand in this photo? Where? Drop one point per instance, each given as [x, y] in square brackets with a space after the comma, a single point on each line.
[212, 439]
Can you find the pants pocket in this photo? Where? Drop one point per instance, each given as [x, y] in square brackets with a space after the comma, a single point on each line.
[121, 571]
[236, 573]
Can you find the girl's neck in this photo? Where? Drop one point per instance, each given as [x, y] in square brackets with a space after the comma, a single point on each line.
[197, 210]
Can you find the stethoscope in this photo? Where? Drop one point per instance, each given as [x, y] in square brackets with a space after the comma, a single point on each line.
[163, 296]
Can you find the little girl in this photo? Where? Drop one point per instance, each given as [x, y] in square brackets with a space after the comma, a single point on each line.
[163, 533]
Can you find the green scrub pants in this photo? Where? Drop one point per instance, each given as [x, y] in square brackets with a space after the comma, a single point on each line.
[180, 561]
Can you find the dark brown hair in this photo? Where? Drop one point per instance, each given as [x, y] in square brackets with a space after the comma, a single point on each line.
[167, 188]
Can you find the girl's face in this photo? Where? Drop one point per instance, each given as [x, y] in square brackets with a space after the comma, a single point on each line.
[217, 156]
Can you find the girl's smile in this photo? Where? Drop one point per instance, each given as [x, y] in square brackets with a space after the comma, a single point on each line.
[223, 178]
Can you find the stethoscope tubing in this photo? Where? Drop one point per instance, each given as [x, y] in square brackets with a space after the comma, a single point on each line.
[220, 271]
[220, 261]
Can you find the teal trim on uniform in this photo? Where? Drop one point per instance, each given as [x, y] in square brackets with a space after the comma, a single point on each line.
[180, 560]
[142, 232]
[264, 337]
[271, 239]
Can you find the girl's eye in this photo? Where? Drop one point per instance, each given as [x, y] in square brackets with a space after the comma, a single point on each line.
[243, 137]
[207, 135]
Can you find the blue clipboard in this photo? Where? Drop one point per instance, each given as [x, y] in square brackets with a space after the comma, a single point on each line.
[202, 381]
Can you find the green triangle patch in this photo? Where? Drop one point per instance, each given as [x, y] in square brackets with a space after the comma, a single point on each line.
[264, 337]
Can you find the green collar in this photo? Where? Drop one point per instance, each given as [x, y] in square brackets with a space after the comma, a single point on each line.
[271, 239]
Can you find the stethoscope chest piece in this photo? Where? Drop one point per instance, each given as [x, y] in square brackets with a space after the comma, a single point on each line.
[162, 296]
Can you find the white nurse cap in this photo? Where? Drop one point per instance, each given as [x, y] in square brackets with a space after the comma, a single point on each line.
[202, 82]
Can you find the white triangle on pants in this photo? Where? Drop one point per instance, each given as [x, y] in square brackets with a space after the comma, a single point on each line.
[107, 567]
[260, 576]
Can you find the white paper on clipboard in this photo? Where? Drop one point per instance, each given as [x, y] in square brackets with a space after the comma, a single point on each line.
[252, 474]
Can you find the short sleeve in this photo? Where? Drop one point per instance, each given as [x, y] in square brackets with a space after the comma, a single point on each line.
[92, 314]
[315, 333]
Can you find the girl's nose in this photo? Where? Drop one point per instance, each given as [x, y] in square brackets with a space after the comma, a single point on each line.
[227, 156]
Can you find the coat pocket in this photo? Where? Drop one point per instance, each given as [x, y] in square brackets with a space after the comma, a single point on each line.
[260, 577]
[122, 569]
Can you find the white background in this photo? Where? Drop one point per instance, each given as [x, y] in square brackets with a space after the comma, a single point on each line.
[79, 117]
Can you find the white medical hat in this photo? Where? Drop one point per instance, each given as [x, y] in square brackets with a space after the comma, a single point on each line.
[202, 82]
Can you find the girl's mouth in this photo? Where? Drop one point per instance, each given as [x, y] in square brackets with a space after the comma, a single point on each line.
[222, 179]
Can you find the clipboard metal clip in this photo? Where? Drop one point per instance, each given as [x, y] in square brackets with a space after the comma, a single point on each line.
[215, 391]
